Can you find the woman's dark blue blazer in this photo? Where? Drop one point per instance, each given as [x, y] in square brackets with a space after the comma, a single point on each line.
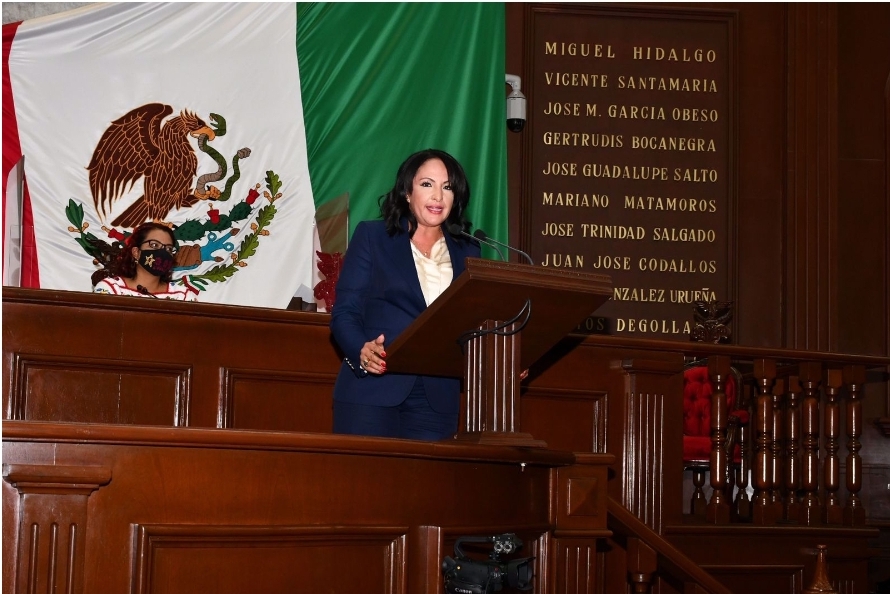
[378, 292]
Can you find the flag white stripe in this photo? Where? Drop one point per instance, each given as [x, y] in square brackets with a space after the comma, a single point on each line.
[74, 73]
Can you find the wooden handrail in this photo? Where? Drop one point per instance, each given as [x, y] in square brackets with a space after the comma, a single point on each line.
[735, 352]
[670, 560]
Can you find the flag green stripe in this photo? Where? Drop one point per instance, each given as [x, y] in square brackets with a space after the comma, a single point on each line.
[380, 81]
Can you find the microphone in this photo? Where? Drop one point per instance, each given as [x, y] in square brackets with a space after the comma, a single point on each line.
[456, 229]
[145, 291]
[481, 236]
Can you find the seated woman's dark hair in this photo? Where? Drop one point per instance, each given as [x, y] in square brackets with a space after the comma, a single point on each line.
[124, 265]
[394, 204]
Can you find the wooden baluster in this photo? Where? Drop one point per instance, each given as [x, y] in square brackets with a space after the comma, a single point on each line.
[778, 449]
[854, 377]
[642, 562]
[765, 373]
[699, 502]
[831, 419]
[811, 506]
[821, 584]
[718, 506]
[792, 440]
[742, 502]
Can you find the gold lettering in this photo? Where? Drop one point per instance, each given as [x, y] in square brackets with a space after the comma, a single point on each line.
[684, 235]
[574, 79]
[695, 175]
[570, 199]
[636, 294]
[592, 324]
[563, 260]
[612, 262]
[562, 109]
[690, 296]
[656, 83]
[554, 168]
[583, 139]
[639, 172]
[634, 112]
[559, 229]
[674, 204]
[694, 115]
[677, 266]
[571, 48]
[673, 143]
[652, 326]
[596, 231]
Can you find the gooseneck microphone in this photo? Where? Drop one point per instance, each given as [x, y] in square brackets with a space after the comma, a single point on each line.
[145, 291]
[482, 236]
[456, 229]
[504, 328]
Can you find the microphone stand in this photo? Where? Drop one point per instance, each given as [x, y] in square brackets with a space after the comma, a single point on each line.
[482, 236]
[456, 229]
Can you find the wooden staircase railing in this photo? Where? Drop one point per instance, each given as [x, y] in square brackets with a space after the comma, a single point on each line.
[801, 405]
[648, 555]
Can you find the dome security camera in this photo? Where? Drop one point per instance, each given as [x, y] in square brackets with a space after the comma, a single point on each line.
[515, 104]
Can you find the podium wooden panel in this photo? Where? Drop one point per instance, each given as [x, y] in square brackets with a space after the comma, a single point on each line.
[496, 319]
[153, 510]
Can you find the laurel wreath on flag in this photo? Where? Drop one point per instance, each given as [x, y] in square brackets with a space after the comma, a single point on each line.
[104, 252]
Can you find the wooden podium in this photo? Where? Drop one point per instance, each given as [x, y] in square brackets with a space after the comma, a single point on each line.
[495, 320]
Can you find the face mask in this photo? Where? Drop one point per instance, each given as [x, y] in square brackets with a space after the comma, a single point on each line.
[157, 262]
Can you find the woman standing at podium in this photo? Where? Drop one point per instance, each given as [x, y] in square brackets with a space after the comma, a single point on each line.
[393, 269]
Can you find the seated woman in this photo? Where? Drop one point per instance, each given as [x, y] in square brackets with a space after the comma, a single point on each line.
[144, 268]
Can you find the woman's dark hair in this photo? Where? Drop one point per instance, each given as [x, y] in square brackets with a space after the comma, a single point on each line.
[394, 204]
[124, 265]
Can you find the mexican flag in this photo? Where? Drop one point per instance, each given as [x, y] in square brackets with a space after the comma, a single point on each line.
[241, 125]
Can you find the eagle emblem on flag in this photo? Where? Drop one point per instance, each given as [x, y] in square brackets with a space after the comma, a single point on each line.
[141, 145]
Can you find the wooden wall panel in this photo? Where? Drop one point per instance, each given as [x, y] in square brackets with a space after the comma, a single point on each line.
[813, 213]
[50, 524]
[255, 399]
[578, 558]
[760, 148]
[634, 396]
[79, 357]
[864, 187]
[774, 562]
[811, 207]
[760, 308]
[179, 559]
[579, 415]
[776, 579]
[87, 390]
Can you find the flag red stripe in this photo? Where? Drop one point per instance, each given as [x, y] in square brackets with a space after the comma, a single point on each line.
[12, 153]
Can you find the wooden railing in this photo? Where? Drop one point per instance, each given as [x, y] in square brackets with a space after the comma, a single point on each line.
[805, 407]
[649, 555]
[797, 412]
[650, 559]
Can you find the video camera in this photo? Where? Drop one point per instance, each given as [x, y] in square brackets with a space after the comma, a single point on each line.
[464, 575]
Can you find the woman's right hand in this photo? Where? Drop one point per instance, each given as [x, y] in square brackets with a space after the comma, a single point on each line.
[373, 355]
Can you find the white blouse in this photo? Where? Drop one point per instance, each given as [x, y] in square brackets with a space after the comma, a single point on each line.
[435, 273]
[115, 285]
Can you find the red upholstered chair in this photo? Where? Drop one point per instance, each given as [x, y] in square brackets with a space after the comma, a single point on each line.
[697, 390]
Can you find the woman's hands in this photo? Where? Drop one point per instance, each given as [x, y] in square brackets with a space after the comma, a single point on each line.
[372, 356]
